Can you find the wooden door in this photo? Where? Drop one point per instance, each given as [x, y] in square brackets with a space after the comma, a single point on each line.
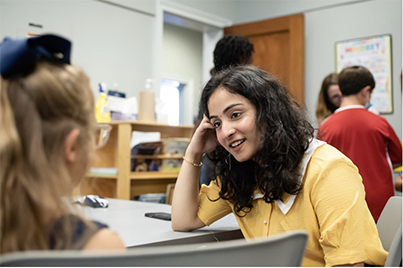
[279, 49]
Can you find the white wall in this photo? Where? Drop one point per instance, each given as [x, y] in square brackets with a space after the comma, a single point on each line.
[141, 6]
[277, 8]
[222, 8]
[113, 44]
[242, 11]
[182, 56]
[212, 16]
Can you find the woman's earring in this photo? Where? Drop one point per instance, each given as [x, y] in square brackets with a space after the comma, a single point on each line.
[229, 161]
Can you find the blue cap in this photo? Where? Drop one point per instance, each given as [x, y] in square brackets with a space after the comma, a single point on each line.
[19, 56]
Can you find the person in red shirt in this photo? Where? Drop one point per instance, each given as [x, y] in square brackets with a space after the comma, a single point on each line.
[366, 138]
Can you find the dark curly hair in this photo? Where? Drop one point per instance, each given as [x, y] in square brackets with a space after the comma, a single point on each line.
[232, 50]
[284, 132]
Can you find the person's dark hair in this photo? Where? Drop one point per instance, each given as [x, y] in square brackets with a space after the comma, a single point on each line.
[285, 136]
[353, 79]
[232, 50]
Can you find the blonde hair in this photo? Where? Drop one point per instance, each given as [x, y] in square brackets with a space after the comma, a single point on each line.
[37, 112]
[324, 107]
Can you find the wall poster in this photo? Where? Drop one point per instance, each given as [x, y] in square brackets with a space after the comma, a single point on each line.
[373, 53]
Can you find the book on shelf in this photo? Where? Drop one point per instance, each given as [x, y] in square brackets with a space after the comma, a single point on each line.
[171, 150]
[145, 149]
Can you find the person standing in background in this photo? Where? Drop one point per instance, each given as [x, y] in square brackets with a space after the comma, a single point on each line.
[364, 137]
[329, 98]
[231, 50]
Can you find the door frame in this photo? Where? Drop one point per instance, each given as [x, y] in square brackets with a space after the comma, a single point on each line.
[210, 25]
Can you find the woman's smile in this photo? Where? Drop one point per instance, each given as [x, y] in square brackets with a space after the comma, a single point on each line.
[237, 143]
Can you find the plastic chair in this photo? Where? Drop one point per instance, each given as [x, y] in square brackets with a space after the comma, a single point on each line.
[394, 258]
[286, 249]
[389, 221]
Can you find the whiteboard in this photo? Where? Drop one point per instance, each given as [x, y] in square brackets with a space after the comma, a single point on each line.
[374, 53]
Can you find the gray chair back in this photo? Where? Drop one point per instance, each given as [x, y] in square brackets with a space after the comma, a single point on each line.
[394, 258]
[285, 249]
[389, 221]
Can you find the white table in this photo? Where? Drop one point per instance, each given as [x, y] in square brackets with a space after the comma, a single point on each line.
[128, 220]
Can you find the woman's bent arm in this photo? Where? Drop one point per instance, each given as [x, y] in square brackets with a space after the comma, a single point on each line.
[185, 202]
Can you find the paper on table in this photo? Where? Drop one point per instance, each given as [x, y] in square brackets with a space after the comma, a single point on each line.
[139, 136]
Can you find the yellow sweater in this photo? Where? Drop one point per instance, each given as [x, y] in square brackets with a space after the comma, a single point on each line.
[331, 207]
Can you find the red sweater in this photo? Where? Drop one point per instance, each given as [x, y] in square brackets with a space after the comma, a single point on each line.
[371, 143]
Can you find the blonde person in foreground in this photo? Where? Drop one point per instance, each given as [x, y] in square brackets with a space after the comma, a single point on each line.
[47, 140]
[273, 174]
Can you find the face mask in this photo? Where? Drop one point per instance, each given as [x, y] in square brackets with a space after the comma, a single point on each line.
[368, 104]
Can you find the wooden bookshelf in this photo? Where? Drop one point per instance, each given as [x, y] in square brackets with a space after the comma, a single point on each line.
[117, 154]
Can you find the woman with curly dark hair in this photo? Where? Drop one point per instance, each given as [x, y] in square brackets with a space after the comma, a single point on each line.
[230, 51]
[273, 174]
